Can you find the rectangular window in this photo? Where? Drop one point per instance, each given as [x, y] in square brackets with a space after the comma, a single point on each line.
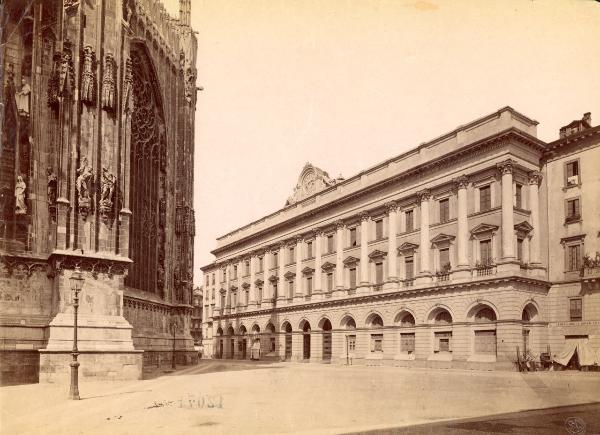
[445, 259]
[290, 289]
[351, 343]
[260, 293]
[222, 300]
[234, 299]
[575, 309]
[246, 295]
[407, 342]
[573, 257]
[572, 173]
[275, 290]
[330, 246]
[308, 285]
[379, 229]
[485, 251]
[352, 276]
[485, 198]
[292, 254]
[234, 272]
[260, 264]
[330, 281]
[485, 342]
[519, 195]
[378, 273]
[247, 267]
[309, 250]
[213, 278]
[207, 278]
[442, 342]
[275, 259]
[376, 342]
[410, 221]
[352, 237]
[573, 210]
[409, 268]
[520, 249]
[224, 275]
[444, 210]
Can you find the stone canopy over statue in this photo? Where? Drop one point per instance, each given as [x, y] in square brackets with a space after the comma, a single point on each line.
[311, 181]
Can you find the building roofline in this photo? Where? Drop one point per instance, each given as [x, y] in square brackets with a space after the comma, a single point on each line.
[470, 124]
[552, 146]
[512, 132]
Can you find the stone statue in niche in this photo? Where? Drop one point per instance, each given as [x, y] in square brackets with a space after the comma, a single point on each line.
[128, 87]
[66, 71]
[107, 190]
[52, 192]
[88, 76]
[22, 98]
[190, 85]
[20, 188]
[83, 184]
[108, 83]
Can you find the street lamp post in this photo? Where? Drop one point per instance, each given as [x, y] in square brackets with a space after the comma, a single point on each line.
[174, 328]
[76, 281]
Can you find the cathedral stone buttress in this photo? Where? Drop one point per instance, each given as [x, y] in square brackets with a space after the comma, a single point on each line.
[96, 172]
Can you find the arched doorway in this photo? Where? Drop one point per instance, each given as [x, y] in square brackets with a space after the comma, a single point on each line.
[484, 340]
[287, 328]
[406, 321]
[231, 348]
[305, 327]
[442, 334]
[256, 347]
[243, 344]
[270, 329]
[221, 344]
[326, 327]
[375, 322]
[349, 324]
[529, 314]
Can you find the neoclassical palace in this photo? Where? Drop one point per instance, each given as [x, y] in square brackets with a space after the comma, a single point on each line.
[454, 254]
[96, 173]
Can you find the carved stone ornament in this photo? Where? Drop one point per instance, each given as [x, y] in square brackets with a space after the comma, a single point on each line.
[53, 82]
[66, 72]
[52, 193]
[88, 76]
[391, 206]
[535, 177]
[190, 85]
[310, 181]
[109, 83]
[107, 192]
[20, 188]
[128, 87]
[85, 175]
[506, 167]
[461, 182]
[424, 195]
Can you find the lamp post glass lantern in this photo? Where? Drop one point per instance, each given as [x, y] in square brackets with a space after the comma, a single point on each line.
[76, 281]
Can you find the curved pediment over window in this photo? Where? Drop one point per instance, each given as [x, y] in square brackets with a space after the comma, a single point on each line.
[311, 181]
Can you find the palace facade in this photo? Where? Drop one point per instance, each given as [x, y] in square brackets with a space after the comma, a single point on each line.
[458, 253]
[96, 172]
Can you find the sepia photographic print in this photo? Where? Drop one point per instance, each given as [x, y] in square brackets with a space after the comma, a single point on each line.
[299, 217]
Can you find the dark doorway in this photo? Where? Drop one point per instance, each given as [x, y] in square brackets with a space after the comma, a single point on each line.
[220, 356]
[326, 340]
[306, 341]
[288, 341]
[243, 349]
[232, 348]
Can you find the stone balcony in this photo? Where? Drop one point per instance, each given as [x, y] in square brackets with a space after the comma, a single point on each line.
[590, 273]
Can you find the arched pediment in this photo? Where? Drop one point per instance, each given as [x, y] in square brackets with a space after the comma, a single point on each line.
[310, 181]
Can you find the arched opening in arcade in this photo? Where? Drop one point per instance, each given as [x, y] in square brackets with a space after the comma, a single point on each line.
[349, 324]
[529, 314]
[287, 329]
[484, 330]
[270, 330]
[325, 326]
[231, 338]
[305, 328]
[242, 343]
[255, 350]
[375, 323]
[220, 346]
[441, 319]
[406, 322]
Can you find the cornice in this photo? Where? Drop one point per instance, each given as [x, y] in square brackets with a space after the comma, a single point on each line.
[375, 297]
[502, 138]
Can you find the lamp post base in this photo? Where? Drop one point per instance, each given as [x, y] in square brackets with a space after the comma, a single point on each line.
[74, 390]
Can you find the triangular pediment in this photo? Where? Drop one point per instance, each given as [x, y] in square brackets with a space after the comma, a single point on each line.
[523, 227]
[233, 287]
[246, 285]
[484, 228]
[259, 282]
[408, 247]
[327, 266]
[273, 278]
[377, 254]
[351, 260]
[308, 270]
[289, 275]
[442, 238]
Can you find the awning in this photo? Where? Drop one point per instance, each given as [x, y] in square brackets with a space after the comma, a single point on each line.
[585, 353]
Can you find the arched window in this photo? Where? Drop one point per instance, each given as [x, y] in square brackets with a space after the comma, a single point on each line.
[375, 321]
[443, 318]
[485, 314]
[407, 321]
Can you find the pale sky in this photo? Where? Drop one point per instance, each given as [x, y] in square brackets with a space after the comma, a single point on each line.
[347, 84]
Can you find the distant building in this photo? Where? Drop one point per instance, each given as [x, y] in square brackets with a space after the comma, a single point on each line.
[196, 322]
[453, 254]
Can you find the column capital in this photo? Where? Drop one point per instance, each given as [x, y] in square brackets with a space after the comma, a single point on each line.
[461, 182]
[535, 177]
[424, 195]
[318, 232]
[391, 206]
[339, 224]
[364, 216]
[506, 167]
[298, 239]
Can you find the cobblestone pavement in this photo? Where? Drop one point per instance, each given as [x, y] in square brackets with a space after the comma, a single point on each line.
[239, 397]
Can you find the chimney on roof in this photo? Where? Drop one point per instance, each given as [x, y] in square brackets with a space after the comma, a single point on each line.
[587, 118]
